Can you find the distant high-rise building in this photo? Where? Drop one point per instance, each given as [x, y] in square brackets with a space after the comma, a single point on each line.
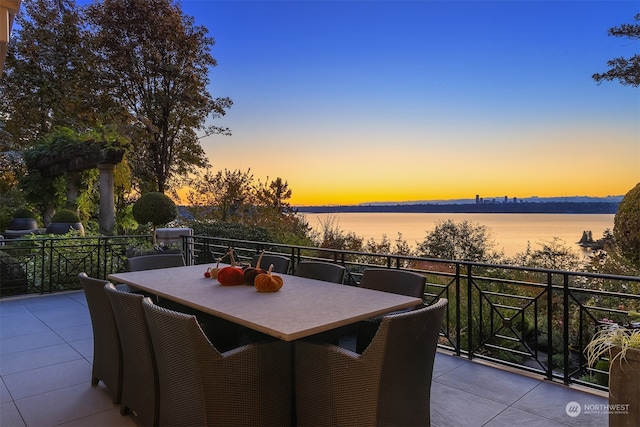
[477, 199]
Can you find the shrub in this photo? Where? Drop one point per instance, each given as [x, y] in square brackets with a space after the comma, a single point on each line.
[65, 215]
[14, 279]
[625, 229]
[155, 208]
[23, 213]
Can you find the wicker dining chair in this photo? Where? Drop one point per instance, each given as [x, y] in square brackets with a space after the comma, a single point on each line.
[153, 262]
[389, 384]
[140, 376]
[320, 270]
[107, 352]
[387, 280]
[280, 262]
[199, 386]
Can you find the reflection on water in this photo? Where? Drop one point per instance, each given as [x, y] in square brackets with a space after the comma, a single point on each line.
[509, 231]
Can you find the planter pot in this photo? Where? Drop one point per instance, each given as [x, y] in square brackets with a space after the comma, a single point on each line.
[65, 227]
[23, 224]
[624, 389]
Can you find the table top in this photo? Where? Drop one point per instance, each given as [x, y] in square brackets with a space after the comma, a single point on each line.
[302, 307]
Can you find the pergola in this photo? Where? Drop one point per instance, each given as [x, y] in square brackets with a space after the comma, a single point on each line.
[88, 155]
[8, 10]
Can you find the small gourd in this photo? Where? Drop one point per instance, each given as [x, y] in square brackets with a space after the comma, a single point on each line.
[231, 275]
[250, 273]
[267, 282]
[213, 272]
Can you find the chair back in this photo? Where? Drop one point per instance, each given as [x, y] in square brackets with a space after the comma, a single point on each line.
[319, 270]
[179, 347]
[140, 377]
[107, 352]
[395, 281]
[151, 262]
[404, 350]
[280, 262]
[199, 386]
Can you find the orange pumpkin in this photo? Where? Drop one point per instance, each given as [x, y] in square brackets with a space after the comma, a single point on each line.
[231, 275]
[250, 273]
[267, 282]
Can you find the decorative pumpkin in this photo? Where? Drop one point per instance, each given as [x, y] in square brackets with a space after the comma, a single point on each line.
[231, 275]
[267, 282]
[250, 273]
[213, 272]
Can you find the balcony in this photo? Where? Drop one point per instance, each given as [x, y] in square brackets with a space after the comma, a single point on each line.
[522, 362]
[46, 347]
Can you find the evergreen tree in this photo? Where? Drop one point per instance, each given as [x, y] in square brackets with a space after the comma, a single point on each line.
[625, 70]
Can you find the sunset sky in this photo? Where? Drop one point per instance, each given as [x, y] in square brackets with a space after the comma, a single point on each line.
[360, 101]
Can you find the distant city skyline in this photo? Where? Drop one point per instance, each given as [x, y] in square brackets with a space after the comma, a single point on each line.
[488, 200]
[358, 101]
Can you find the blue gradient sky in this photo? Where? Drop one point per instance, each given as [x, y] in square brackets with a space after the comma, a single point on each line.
[357, 101]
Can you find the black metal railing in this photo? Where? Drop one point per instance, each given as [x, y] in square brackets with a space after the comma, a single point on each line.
[533, 319]
[46, 264]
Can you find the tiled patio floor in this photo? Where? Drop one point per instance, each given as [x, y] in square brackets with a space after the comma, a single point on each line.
[46, 350]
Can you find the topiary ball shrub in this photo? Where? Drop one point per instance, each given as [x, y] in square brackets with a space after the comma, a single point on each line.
[65, 215]
[23, 213]
[626, 225]
[155, 208]
[64, 221]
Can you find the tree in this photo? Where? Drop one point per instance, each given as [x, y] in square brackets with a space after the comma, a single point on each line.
[227, 195]
[626, 71]
[626, 225]
[274, 195]
[48, 79]
[554, 255]
[463, 241]
[155, 64]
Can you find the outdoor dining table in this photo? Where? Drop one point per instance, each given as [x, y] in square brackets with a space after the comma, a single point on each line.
[302, 307]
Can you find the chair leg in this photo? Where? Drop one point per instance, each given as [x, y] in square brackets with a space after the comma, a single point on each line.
[94, 381]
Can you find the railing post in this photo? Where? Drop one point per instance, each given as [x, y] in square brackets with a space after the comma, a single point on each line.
[50, 265]
[42, 263]
[469, 315]
[458, 328]
[565, 327]
[102, 253]
[549, 326]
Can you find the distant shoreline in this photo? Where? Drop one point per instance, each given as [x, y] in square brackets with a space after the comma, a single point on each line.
[512, 208]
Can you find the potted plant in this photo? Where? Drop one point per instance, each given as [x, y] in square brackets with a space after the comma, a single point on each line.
[63, 221]
[23, 219]
[621, 345]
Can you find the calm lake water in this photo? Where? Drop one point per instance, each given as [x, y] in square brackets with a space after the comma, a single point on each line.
[510, 232]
